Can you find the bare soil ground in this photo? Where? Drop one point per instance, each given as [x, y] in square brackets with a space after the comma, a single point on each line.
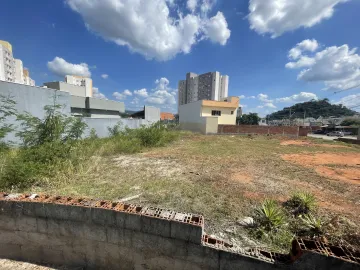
[16, 265]
[226, 177]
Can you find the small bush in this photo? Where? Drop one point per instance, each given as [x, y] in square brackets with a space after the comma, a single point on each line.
[312, 223]
[115, 130]
[121, 145]
[270, 216]
[301, 203]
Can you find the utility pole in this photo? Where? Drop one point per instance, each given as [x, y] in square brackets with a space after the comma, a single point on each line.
[304, 117]
[358, 137]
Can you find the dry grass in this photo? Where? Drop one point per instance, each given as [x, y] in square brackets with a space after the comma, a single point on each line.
[221, 177]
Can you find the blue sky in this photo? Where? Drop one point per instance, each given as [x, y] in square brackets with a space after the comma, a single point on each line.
[276, 52]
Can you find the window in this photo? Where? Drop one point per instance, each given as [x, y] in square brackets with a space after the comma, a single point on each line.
[216, 113]
[232, 112]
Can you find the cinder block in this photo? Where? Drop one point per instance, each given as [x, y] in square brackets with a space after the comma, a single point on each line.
[172, 248]
[211, 258]
[36, 238]
[42, 226]
[11, 237]
[6, 207]
[52, 256]
[104, 217]
[132, 222]
[78, 213]
[155, 226]
[186, 232]
[74, 259]
[93, 232]
[31, 253]
[120, 219]
[7, 222]
[57, 211]
[40, 209]
[59, 242]
[137, 240]
[10, 251]
[115, 235]
[127, 238]
[195, 253]
[28, 209]
[232, 261]
[26, 223]
[151, 243]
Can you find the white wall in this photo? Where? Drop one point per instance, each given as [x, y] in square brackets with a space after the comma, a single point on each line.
[190, 113]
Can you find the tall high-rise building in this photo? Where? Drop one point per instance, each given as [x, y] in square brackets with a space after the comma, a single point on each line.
[11, 70]
[7, 62]
[19, 71]
[81, 81]
[208, 86]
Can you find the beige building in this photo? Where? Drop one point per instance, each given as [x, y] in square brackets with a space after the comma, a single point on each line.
[205, 115]
[81, 81]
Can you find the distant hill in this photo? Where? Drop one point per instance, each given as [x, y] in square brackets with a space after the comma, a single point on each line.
[313, 108]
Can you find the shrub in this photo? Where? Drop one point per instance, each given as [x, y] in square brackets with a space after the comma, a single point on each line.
[155, 135]
[115, 130]
[312, 223]
[270, 215]
[55, 127]
[93, 134]
[6, 109]
[302, 203]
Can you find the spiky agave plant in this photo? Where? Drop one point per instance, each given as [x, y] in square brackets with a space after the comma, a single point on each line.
[270, 215]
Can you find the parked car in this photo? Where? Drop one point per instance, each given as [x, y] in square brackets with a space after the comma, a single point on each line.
[319, 131]
[347, 133]
[336, 133]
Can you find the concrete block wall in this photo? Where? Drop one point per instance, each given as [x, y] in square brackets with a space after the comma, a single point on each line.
[94, 234]
[264, 130]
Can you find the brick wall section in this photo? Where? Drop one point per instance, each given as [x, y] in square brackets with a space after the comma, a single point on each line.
[105, 235]
[263, 130]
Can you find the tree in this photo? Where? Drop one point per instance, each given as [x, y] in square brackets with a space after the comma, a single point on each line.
[248, 119]
[6, 109]
[351, 121]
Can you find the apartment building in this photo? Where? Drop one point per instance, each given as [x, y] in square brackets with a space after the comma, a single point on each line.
[81, 81]
[208, 86]
[11, 69]
[7, 62]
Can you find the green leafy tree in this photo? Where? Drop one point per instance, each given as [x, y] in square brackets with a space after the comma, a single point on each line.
[313, 108]
[6, 109]
[55, 127]
[351, 121]
[249, 119]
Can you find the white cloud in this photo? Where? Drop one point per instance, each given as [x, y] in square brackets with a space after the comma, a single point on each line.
[337, 67]
[270, 105]
[127, 92]
[279, 16]
[141, 93]
[305, 45]
[264, 98]
[191, 5]
[104, 76]
[350, 101]
[148, 27]
[216, 29]
[98, 94]
[301, 97]
[60, 67]
[123, 95]
[162, 94]
[242, 97]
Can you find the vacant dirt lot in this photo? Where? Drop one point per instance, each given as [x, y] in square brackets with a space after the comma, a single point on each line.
[225, 177]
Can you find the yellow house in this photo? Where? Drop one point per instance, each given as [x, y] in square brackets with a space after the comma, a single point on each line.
[205, 115]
